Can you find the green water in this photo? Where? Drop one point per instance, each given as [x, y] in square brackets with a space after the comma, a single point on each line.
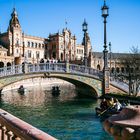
[65, 117]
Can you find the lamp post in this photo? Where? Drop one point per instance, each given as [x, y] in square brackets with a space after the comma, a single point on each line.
[84, 25]
[105, 52]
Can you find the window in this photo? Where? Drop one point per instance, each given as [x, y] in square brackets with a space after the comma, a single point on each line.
[37, 54]
[36, 45]
[39, 45]
[28, 44]
[17, 41]
[118, 70]
[42, 46]
[29, 53]
[32, 44]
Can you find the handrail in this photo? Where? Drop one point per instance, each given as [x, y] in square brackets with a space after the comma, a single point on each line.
[14, 128]
[48, 67]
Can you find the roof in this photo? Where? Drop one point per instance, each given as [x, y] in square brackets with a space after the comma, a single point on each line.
[113, 55]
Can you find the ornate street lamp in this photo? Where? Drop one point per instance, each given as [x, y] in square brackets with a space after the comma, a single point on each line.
[105, 69]
[85, 28]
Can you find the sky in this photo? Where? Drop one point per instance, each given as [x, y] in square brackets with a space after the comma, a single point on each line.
[42, 17]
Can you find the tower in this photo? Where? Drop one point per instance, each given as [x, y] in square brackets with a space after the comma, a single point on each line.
[15, 36]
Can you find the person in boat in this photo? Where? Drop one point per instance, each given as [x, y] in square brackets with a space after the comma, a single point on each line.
[21, 87]
[103, 104]
[110, 102]
[125, 103]
[117, 105]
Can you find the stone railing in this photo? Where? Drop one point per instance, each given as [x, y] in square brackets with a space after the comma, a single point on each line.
[125, 125]
[12, 128]
[49, 67]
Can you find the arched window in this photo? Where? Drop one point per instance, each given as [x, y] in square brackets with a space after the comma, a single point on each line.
[112, 70]
[8, 64]
[28, 44]
[39, 45]
[54, 55]
[122, 69]
[98, 67]
[118, 70]
[32, 44]
[36, 45]
[1, 64]
[61, 56]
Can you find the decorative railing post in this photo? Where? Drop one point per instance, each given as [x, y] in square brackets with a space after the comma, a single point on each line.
[3, 129]
[67, 67]
[15, 138]
[25, 68]
[9, 134]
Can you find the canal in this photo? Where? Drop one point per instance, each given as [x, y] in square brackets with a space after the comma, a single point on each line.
[66, 117]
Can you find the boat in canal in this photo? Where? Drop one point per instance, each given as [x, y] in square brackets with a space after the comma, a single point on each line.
[55, 91]
[104, 114]
[21, 89]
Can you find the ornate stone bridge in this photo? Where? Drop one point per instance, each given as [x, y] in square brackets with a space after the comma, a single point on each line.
[88, 81]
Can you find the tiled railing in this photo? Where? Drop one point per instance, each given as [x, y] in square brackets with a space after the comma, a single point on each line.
[49, 67]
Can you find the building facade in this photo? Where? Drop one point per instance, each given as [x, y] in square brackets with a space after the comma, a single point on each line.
[21, 47]
[61, 46]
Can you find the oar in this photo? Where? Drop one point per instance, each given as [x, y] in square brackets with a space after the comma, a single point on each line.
[105, 111]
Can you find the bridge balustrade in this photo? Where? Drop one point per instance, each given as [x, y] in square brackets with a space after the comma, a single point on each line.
[48, 67]
[12, 128]
[85, 70]
[11, 70]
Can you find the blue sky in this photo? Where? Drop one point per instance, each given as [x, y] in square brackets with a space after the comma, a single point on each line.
[41, 17]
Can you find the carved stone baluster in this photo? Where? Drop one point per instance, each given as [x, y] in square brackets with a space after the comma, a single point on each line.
[3, 129]
[15, 138]
[9, 134]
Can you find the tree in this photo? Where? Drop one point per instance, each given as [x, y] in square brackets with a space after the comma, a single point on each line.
[131, 63]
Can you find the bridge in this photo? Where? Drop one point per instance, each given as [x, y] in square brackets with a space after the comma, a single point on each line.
[88, 81]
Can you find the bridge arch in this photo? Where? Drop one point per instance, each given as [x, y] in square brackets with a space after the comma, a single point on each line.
[85, 86]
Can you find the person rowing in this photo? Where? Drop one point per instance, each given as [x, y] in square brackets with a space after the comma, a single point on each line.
[109, 107]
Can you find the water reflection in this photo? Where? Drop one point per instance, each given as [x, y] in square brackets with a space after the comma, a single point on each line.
[65, 117]
[33, 96]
